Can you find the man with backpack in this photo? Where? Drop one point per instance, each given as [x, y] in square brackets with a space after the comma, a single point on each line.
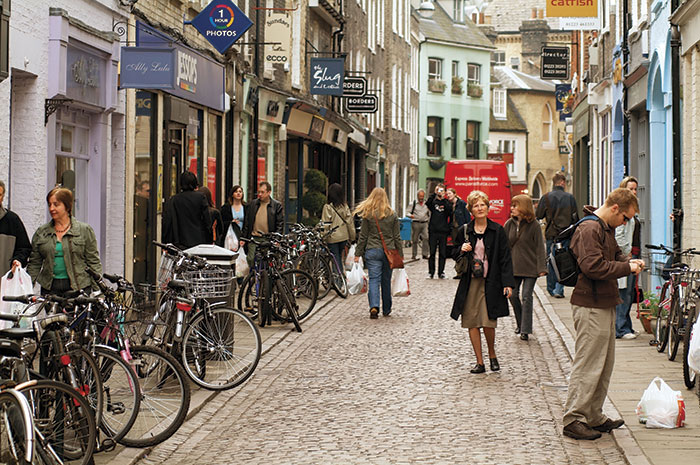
[559, 209]
[593, 302]
[420, 214]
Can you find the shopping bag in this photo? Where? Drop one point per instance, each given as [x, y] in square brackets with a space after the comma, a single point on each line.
[661, 406]
[231, 241]
[357, 281]
[242, 268]
[399, 283]
[350, 259]
[19, 284]
[694, 350]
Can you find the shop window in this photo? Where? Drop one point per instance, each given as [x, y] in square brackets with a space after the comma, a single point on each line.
[72, 139]
[145, 190]
[194, 145]
[214, 157]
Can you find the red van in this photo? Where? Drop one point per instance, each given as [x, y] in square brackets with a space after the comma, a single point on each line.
[489, 176]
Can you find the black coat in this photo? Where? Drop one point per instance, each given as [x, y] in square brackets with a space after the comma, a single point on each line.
[227, 219]
[11, 225]
[217, 225]
[500, 272]
[275, 217]
[186, 220]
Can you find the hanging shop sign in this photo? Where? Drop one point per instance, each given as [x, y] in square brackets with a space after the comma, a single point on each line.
[147, 68]
[565, 100]
[327, 76]
[222, 23]
[554, 63]
[354, 87]
[572, 8]
[364, 104]
[278, 28]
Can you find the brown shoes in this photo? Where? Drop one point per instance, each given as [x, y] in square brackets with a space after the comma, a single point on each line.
[580, 430]
[374, 313]
[609, 425]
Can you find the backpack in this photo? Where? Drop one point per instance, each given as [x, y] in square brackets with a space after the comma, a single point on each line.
[562, 258]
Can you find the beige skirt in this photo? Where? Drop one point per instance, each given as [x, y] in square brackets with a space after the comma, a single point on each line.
[474, 313]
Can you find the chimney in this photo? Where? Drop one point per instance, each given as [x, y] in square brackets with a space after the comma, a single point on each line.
[481, 18]
[534, 14]
[541, 12]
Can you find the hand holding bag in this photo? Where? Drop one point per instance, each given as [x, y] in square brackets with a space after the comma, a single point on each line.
[393, 255]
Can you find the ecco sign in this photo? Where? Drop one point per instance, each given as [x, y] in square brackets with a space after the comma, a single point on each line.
[365, 104]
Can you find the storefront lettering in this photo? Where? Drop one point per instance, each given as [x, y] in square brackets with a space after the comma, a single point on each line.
[323, 81]
[187, 71]
[143, 67]
[86, 72]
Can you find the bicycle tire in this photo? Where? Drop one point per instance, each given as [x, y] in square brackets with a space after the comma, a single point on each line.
[688, 374]
[318, 269]
[122, 395]
[661, 330]
[340, 281]
[285, 303]
[165, 397]
[88, 378]
[304, 292]
[232, 344]
[673, 329]
[247, 297]
[69, 409]
[16, 430]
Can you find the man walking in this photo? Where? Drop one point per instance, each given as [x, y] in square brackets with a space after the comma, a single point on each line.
[593, 303]
[419, 213]
[559, 209]
[438, 229]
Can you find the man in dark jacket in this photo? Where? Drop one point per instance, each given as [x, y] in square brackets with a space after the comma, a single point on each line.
[14, 242]
[186, 219]
[593, 303]
[560, 211]
[263, 215]
[438, 229]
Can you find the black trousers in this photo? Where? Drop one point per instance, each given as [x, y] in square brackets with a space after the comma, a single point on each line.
[437, 240]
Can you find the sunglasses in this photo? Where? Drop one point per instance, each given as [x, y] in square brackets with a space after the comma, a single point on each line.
[625, 219]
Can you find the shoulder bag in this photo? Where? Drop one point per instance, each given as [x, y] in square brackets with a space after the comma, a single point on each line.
[462, 262]
[393, 255]
[350, 227]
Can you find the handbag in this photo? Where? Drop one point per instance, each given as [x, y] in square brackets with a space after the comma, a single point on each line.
[393, 255]
[462, 262]
[348, 226]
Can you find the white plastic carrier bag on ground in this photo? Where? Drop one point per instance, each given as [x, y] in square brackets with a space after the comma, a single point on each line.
[694, 350]
[350, 259]
[399, 283]
[242, 267]
[20, 284]
[661, 406]
[357, 281]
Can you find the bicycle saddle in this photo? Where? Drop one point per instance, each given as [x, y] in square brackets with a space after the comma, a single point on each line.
[17, 334]
[10, 349]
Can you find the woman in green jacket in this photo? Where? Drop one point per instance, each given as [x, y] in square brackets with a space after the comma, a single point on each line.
[63, 248]
[337, 213]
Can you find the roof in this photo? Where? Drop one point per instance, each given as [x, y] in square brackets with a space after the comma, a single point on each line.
[513, 122]
[441, 27]
[517, 80]
[508, 15]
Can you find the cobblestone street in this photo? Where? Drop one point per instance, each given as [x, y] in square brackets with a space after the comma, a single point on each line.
[350, 390]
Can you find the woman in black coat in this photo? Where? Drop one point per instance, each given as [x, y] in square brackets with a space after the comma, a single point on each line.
[233, 212]
[482, 297]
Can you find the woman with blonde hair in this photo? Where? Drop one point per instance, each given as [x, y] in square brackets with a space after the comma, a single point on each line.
[484, 288]
[527, 249]
[378, 219]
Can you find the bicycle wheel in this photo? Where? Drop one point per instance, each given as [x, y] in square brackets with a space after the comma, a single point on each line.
[63, 422]
[165, 397]
[220, 348]
[320, 271]
[674, 322]
[89, 381]
[661, 330]
[688, 373]
[16, 429]
[340, 281]
[284, 303]
[304, 293]
[122, 396]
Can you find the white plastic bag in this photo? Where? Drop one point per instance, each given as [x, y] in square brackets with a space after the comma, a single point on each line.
[357, 281]
[694, 351]
[350, 259]
[399, 283]
[242, 268]
[20, 284]
[661, 406]
[231, 241]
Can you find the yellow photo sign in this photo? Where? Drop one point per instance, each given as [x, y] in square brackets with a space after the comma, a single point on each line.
[572, 8]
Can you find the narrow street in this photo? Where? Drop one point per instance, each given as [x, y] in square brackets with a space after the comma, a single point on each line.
[351, 390]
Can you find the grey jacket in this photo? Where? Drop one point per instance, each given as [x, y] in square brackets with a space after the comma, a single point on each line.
[370, 239]
[79, 249]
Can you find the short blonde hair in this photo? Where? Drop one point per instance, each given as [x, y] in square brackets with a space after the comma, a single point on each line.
[475, 196]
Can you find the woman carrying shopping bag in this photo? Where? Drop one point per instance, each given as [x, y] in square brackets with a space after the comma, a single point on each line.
[379, 231]
[232, 216]
[337, 213]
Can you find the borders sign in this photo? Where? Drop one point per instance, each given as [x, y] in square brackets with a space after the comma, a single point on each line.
[554, 63]
[222, 23]
[365, 104]
[354, 87]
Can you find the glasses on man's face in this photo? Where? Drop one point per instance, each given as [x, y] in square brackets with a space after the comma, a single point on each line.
[625, 219]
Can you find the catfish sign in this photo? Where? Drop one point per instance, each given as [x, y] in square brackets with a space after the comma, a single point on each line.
[327, 76]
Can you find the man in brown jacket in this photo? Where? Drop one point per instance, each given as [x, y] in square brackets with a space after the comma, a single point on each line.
[593, 302]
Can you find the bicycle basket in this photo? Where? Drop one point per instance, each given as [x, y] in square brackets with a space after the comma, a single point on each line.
[208, 283]
[165, 272]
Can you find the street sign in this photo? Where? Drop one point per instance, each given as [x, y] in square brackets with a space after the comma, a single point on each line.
[327, 75]
[554, 63]
[364, 104]
[222, 23]
[354, 87]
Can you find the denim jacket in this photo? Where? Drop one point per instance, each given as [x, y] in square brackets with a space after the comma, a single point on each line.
[79, 249]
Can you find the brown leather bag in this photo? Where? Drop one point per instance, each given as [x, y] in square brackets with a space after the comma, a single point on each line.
[393, 255]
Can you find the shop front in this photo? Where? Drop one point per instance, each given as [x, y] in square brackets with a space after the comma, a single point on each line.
[581, 152]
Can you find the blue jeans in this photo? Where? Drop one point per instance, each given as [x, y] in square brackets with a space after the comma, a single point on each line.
[523, 309]
[337, 249]
[553, 287]
[623, 322]
[379, 276]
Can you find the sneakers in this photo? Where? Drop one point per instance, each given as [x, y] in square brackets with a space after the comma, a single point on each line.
[580, 430]
[441, 276]
[609, 425]
[430, 276]
[628, 336]
[558, 296]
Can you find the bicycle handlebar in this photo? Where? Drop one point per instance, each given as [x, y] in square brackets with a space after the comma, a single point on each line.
[669, 251]
[198, 261]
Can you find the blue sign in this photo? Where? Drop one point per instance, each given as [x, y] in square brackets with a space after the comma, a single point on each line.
[565, 100]
[222, 23]
[195, 77]
[147, 68]
[327, 76]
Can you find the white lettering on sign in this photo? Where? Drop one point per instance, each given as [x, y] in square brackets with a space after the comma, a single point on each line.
[143, 67]
[323, 80]
[220, 33]
[186, 71]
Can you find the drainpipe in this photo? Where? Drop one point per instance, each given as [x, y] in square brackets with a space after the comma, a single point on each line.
[676, 118]
[256, 121]
[625, 69]
[337, 46]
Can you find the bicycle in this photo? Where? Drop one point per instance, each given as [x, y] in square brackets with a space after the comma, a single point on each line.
[16, 421]
[317, 259]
